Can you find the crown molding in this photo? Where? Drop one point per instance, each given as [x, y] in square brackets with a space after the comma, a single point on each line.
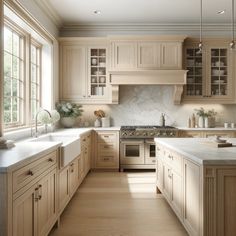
[145, 27]
[48, 9]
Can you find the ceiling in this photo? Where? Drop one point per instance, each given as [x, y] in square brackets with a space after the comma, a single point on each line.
[139, 11]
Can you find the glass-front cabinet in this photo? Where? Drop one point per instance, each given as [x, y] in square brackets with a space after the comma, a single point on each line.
[210, 76]
[97, 73]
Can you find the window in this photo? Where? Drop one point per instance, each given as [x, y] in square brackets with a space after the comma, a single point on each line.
[13, 77]
[28, 64]
[35, 78]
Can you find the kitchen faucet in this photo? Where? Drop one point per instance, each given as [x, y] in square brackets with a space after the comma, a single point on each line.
[36, 121]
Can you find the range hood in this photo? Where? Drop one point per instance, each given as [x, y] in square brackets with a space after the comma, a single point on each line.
[177, 78]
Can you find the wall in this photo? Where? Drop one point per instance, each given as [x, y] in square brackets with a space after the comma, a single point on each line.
[142, 105]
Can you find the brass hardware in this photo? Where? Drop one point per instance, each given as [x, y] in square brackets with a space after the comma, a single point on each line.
[30, 173]
[50, 160]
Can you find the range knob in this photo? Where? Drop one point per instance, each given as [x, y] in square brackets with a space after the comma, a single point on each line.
[172, 134]
[164, 133]
[137, 133]
[158, 134]
[152, 134]
[124, 134]
[144, 133]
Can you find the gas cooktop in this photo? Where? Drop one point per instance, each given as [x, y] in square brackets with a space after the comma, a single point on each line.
[148, 131]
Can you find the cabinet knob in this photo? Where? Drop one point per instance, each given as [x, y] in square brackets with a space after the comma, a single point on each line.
[31, 173]
[84, 96]
[50, 160]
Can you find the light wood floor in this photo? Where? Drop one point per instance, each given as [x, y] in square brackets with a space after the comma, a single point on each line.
[118, 204]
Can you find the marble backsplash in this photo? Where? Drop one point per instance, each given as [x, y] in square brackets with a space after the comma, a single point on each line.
[143, 105]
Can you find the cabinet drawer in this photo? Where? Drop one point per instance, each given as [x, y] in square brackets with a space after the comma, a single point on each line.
[106, 137]
[106, 147]
[107, 161]
[174, 160]
[29, 172]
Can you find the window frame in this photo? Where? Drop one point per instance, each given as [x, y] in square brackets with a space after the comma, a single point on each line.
[25, 108]
[38, 46]
[22, 71]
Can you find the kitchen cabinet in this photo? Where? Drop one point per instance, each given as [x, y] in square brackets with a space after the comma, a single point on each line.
[106, 150]
[208, 133]
[124, 55]
[68, 182]
[83, 71]
[86, 153]
[34, 207]
[146, 54]
[210, 77]
[171, 55]
[167, 181]
[73, 72]
[192, 197]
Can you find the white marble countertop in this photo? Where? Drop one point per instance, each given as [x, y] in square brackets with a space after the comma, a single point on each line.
[24, 152]
[197, 150]
[207, 129]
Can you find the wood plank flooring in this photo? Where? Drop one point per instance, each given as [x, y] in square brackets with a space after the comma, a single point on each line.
[118, 204]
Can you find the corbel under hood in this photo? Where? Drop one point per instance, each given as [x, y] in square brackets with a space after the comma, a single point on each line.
[176, 78]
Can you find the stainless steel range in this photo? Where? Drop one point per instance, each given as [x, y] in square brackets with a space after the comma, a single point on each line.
[137, 146]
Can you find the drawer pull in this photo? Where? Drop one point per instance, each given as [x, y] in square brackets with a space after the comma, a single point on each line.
[170, 157]
[31, 173]
[158, 149]
[84, 140]
[153, 161]
[106, 136]
[50, 160]
[106, 146]
[106, 159]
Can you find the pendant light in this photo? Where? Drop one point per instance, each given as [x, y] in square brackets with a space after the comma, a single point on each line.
[232, 44]
[200, 42]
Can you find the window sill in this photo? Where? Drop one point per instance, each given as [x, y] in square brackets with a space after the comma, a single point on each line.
[21, 133]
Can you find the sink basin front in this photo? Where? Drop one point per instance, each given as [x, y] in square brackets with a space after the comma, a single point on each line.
[69, 149]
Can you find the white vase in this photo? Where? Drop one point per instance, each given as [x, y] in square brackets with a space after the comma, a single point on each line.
[201, 122]
[67, 122]
[97, 123]
[206, 122]
[105, 121]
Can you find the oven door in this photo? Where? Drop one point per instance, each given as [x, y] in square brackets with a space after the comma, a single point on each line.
[150, 152]
[132, 151]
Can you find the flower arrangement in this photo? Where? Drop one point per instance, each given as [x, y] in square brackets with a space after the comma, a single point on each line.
[45, 119]
[99, 113]
[67, 109]
[202, 113]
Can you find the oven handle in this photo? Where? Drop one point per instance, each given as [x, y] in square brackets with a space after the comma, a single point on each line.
[134, 141]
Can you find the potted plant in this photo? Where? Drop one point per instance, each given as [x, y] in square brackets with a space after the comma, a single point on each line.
[201, 117]
[99, 115]
[68, 112]
[211, 114]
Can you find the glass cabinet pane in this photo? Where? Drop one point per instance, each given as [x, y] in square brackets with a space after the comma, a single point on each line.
[219, 71]
[194, 86]
[98, 72]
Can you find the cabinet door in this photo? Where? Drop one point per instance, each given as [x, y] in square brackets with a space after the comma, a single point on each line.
[73, 177]
[219, 72]
[97, 73]
[47, 211]
[177, 193]
[24, 214]
[124, 55]
[64, 194]
[149, 55]
[171, 55]
[226, 207]
[159, 174]
[73, 72]
[192, 197]
[167, 181]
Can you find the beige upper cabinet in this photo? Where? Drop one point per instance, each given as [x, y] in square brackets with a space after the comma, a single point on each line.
[73, 72]
[171, 55]
[84, 71]
[124, 55]
[148, 55]
[210, 77]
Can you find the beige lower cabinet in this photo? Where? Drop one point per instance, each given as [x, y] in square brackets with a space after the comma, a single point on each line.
[68, 182]
[192, 198]
[208, 134]
[85, 153]
[34, 206]
[106, 154]
[202, 196]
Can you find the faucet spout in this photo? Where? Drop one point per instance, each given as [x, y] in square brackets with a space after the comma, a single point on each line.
[36, 121]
